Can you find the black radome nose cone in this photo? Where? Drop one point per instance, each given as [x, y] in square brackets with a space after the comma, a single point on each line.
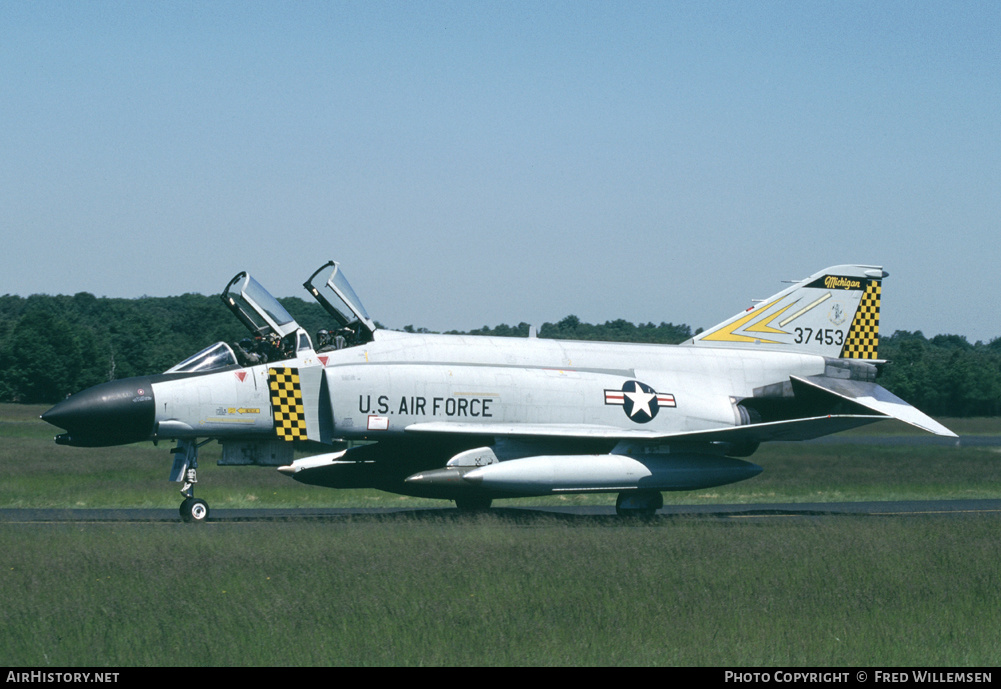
[112, 413]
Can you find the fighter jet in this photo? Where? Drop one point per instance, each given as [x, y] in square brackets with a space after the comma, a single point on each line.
[472, 419]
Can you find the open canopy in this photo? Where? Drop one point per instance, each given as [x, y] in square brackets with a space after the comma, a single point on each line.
[256, 308]
[331, 289]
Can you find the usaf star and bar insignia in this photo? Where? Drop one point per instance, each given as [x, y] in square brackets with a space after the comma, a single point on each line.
[639, 401]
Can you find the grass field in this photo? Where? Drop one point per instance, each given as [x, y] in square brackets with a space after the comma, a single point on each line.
[493, 589]
[486, 590]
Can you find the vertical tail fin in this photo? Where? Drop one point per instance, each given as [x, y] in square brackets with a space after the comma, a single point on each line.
[833, 313]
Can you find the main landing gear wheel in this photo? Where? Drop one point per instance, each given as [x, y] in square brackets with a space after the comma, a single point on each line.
[638, 503]
[194, 510]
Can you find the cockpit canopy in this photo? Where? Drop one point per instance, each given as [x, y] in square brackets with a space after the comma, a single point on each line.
[256, 308]
[331, 289]
[275, 335]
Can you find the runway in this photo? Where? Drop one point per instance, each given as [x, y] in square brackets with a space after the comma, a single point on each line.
[909, 508]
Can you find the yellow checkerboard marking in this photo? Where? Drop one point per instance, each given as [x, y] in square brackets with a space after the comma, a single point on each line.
[863, 337]
[286, 403]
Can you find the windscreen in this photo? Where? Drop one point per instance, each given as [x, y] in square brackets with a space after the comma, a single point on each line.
[215, 356]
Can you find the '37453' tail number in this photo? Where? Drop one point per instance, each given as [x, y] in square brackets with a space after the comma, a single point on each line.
[828, 336]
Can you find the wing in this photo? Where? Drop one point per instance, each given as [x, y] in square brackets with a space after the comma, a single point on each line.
[797, 429]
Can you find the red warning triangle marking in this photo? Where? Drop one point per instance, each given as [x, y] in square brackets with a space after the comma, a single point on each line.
[241, 375]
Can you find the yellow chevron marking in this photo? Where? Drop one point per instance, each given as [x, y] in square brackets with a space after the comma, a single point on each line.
[764, 325]
[726, 334]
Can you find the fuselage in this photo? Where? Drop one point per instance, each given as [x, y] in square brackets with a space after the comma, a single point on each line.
[399, 380]
[405, 379]
[382, 388]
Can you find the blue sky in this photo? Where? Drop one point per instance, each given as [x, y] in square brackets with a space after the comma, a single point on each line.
[477, 163]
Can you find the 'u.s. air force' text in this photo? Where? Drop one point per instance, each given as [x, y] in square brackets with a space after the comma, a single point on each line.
[421, 406]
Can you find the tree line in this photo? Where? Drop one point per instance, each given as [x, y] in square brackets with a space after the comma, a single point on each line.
[52, 346]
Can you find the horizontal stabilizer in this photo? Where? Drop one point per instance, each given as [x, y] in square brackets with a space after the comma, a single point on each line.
[872, 396]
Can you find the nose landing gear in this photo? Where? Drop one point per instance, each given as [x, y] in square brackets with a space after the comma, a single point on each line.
[185, 468]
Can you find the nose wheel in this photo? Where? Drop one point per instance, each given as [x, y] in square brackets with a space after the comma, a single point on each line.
[194, 510]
